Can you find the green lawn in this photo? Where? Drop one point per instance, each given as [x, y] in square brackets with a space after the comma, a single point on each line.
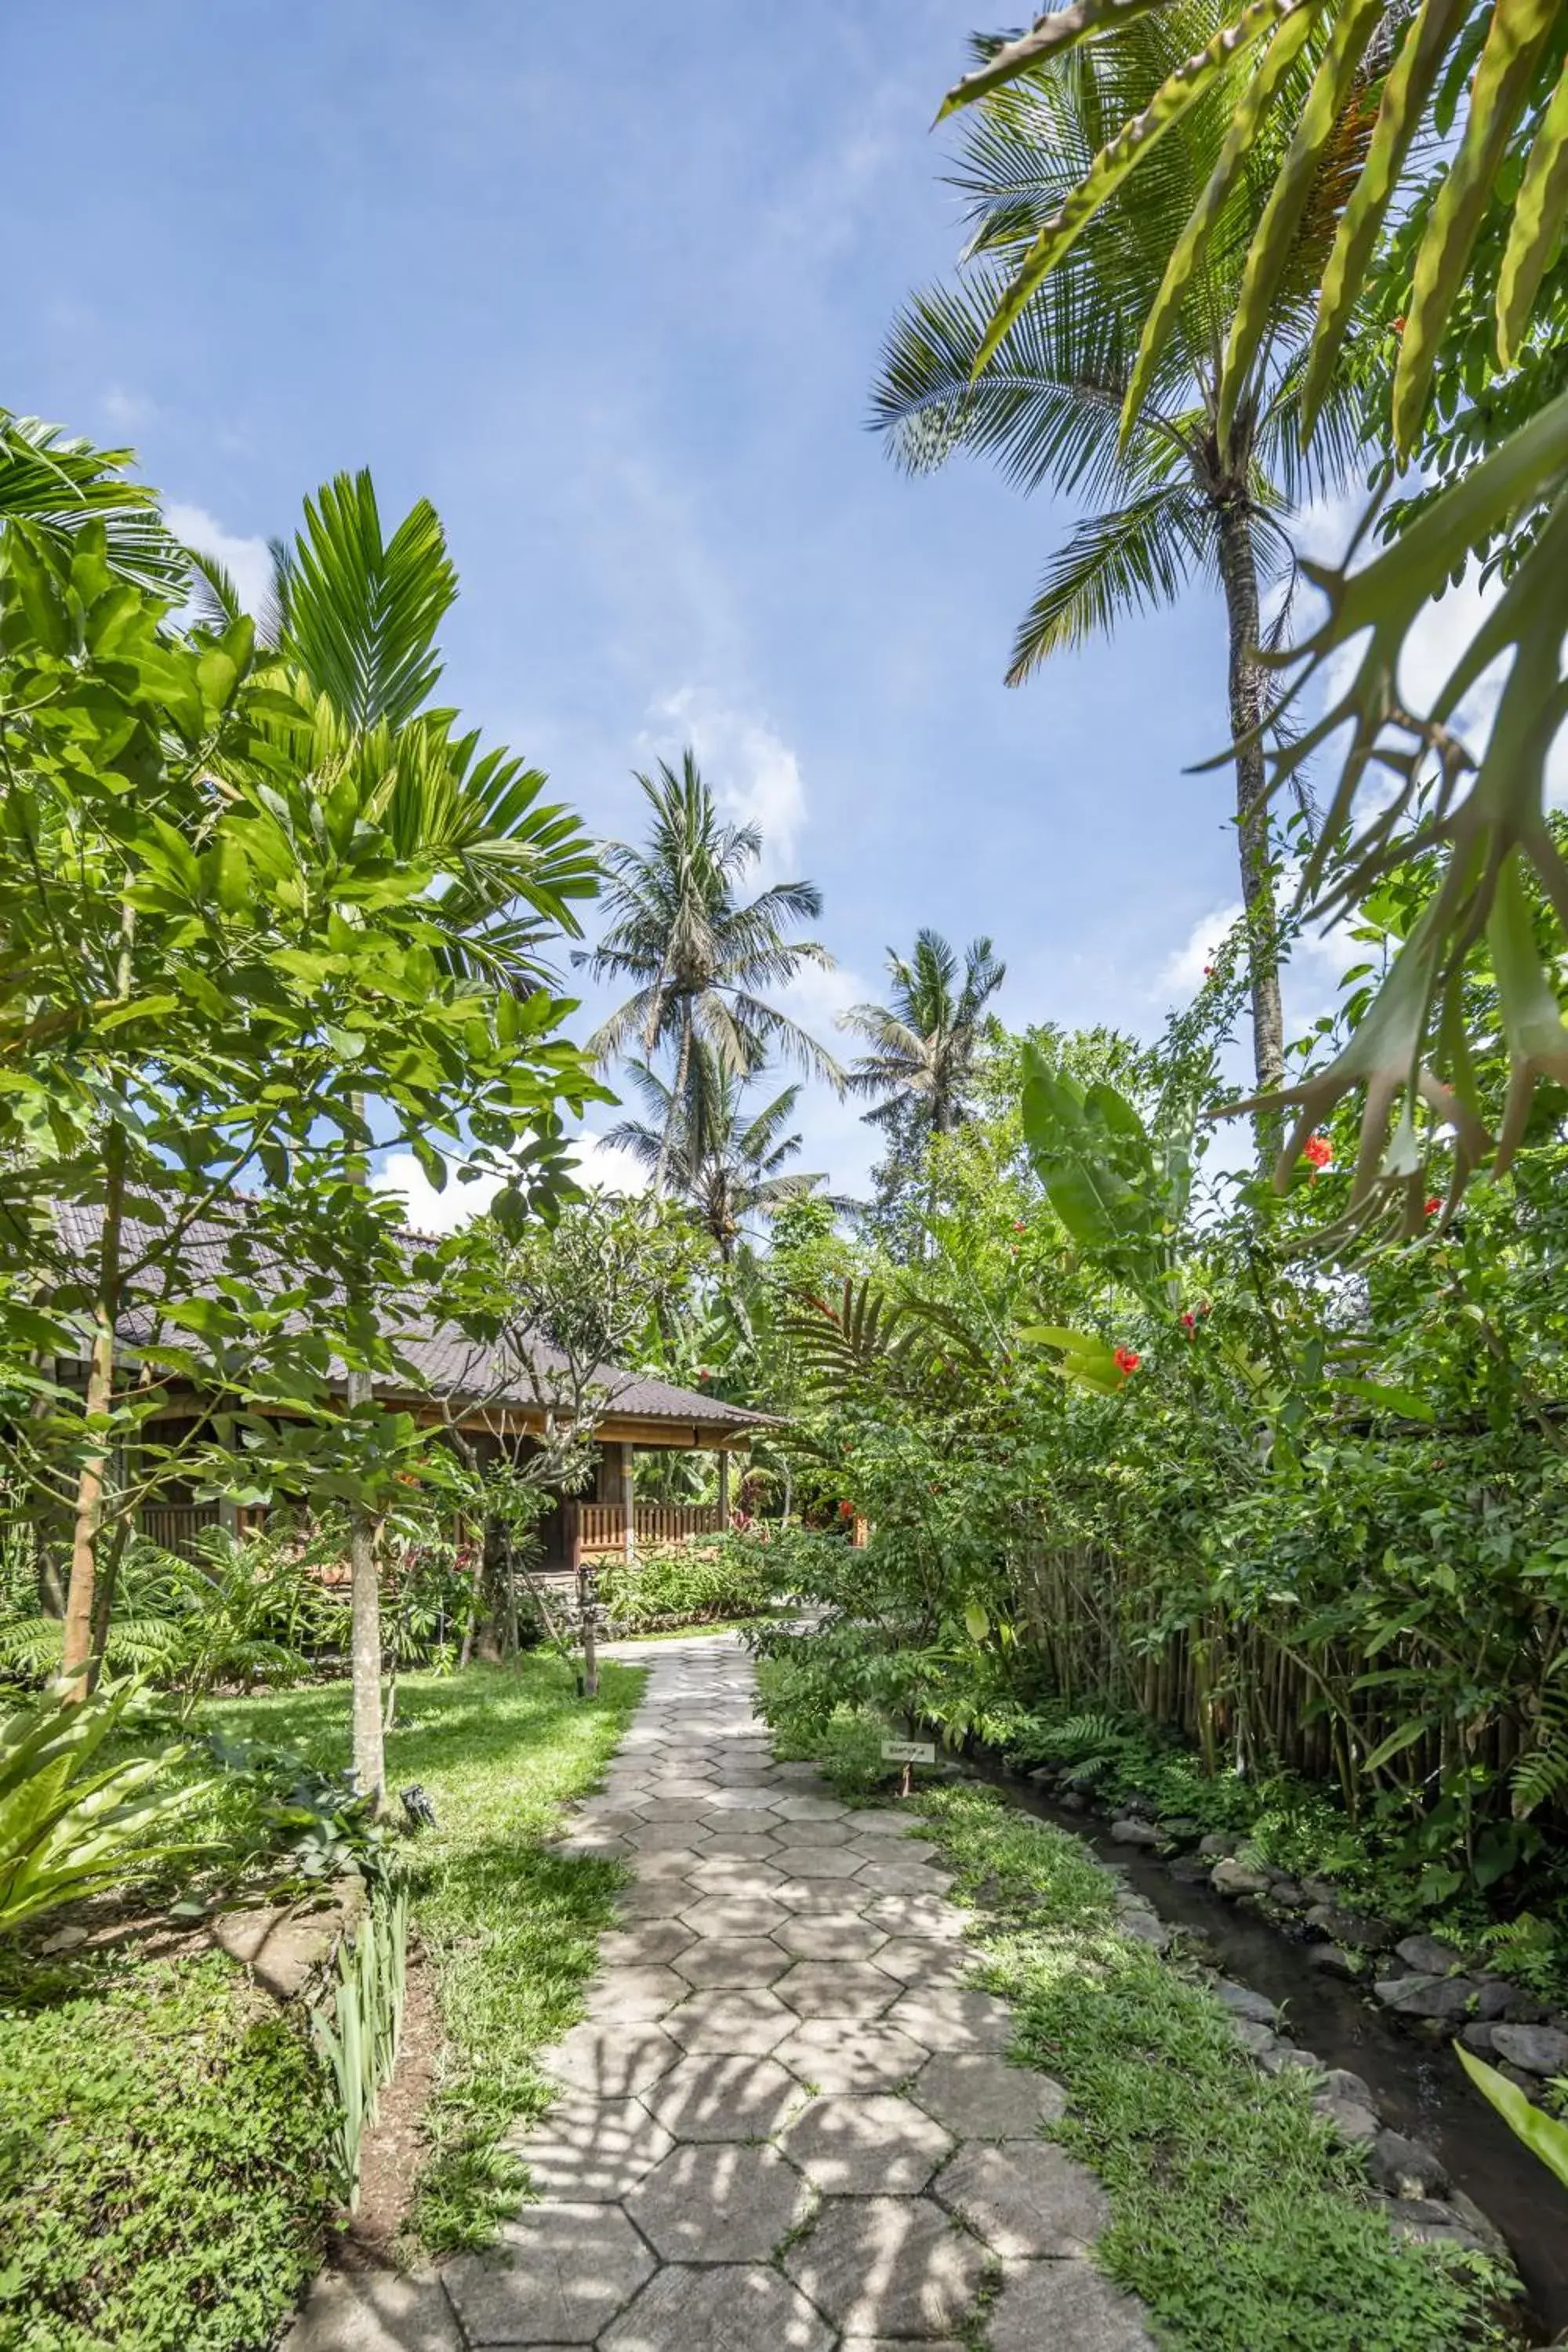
[164, 2183]
[510, 1928]
[1236, 2216]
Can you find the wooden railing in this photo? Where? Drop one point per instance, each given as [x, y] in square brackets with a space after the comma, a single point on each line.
[596, 1527]
[174, 1527]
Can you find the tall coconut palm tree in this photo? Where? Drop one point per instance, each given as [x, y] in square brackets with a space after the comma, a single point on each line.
[726, 1161]
[923, 1045]
[1186, 484]
[698, 956]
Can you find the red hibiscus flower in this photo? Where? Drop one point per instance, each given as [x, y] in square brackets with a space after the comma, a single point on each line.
[1127, 1361]
[1191, 1321]
[1433, 1205]
[1319, 1150]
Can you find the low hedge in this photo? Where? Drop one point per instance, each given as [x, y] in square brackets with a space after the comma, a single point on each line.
[688, 1585]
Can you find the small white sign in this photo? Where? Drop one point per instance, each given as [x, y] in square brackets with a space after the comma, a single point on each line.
[909, 1751]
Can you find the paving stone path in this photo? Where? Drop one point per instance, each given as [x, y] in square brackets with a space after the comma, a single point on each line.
[787, 2123]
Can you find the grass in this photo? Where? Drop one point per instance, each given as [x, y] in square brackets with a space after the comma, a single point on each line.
[1236, 2216]
[163, 2161]
[510, 1929]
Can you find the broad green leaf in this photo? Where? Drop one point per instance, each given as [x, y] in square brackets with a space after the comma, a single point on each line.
[1519, 30]
[1274, 240]
[1192, 243]
[1540, 212]
[1191, 80]
[1058, 29]
[1404, 1401]
[976, 1621]
[1395, 1744]
[1545, 2136]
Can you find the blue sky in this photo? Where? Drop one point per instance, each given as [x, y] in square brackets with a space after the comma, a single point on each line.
[609, 285]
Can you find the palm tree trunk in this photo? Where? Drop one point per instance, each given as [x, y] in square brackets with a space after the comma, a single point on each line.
[1238, 577]
[677, 1108]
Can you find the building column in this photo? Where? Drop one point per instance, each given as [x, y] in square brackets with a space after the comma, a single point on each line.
[723, 1488]
[628, 1500]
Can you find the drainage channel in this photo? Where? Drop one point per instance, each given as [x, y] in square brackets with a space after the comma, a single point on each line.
[1419, 2092]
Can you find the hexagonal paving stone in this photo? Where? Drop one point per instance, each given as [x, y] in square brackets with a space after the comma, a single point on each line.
[649, 1900]
[374, 2311]
[1063, 2303]
[723, 1875]
[878, 2147]
[559, 2275]
[602, 1844]
[667, 1836]
[721, 2098]
[751, 1820]
[882, 1849]
[652, 1943]
[707, 2203]
[724, 1915]
[610, 2061]
[1025, 2198]
[739, 1845]
[746, 2024]
[673, 1809]
[838, 1988]
[827, 1938]
[619, 1994]
[840, 1899]
[844, 2054]
[668, 1864]
[615, 1814]
[916, 1915]
[732, 1963]
[817, 1862]
[889, 1877]
[949, 2017]
[590, 2151]
[888, 2266]
[725, 2309]
[795, 1832]
[810, 1809]
[920, 1960]
[981, 2097]
[800, 1771]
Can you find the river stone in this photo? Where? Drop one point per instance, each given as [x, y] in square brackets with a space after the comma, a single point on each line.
[1498, 1999]
[1430, 1956]
[1242, 2001]
[1290, 1893]
[1215, 1844]
[1333, 1961]
[1478, 2038]
[1418, 1996]
[1253, 2037]
[1190, 1870]
[1539, 2049]
[1230, 1878]
[1320, 1890]
[1436, 2224]
[1406, 2168]
[1338, 2083]
[1283, 2056]
[1349, 2117]
[1147, 1926]
[1129, 1832]
[1073, 1800]
[1360, 1931]
[1179, 1829]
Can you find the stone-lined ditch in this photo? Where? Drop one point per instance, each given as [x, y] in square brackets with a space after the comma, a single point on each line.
[1449, 2163]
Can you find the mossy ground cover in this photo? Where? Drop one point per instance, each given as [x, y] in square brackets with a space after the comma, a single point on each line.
[163, 2161]
[509, 1927]
[1240, 2220]
[163, 2130]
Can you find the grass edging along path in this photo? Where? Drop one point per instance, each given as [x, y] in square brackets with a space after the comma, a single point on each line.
[1240, 2219]
[510, 1929]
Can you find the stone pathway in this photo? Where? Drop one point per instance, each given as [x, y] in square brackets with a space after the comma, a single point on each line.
[787, 2123]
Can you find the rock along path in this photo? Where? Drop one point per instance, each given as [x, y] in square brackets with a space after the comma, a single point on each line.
[787, 2123]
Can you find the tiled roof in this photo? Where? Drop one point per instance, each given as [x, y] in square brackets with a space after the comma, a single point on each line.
[452, 1367]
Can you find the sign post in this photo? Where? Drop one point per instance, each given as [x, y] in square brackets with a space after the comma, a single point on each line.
[909, 1753]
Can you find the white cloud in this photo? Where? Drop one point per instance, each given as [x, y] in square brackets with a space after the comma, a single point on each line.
[248, 561]
[127, 411]
[755, 777]
[1183, 971]
[600, 1166]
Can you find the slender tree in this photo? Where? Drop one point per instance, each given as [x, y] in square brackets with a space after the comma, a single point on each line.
[724, 1158]
[697, 955]
[1183, 486]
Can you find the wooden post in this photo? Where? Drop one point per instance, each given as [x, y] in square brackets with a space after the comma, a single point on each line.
[723, 1488]
[628, 1500]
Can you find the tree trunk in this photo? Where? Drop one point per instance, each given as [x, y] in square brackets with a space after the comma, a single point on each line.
[370, 1753]
[76, 1657]
[1238, 575]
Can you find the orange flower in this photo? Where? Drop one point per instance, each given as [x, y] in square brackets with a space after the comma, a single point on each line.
[1127, 1361]
[1319, 1150]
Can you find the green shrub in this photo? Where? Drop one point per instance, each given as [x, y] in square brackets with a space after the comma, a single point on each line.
[164, 2164]
[708, 1578]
